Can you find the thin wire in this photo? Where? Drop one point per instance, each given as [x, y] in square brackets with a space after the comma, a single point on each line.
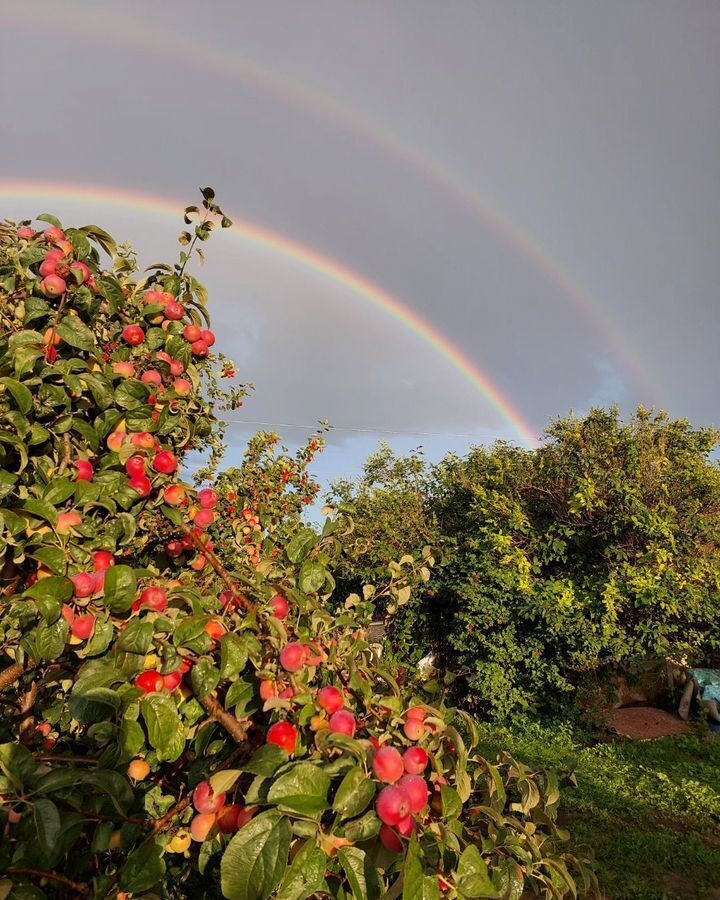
[319, 427]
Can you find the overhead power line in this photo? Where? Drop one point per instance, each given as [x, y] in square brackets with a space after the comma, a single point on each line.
[354, 428]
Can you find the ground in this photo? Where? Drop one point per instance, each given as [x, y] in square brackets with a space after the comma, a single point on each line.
[647, 811]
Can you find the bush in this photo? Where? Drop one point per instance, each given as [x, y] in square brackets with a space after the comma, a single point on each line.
[183, 712]
[588, 554]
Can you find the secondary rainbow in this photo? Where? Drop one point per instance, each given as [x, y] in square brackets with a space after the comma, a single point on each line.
[250, 232]
[106, 26]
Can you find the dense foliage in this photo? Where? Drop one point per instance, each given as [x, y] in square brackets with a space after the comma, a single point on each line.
[560, 564]
[184, 713]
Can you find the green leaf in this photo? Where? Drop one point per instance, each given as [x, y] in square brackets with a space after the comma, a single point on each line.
[233, 655]
[353, 862]
[132, 738]
[204, 678]
[266, 760]
[256, 858]
[96, 704]
[364, 828]
[47, 825]
[306, 875]
[451, 803]
[144, 867]
[50, 640]
[354, 794]
[52, 557]
[101, 237]
[312, 577]
[301, 545]
[136, 637]
[21, 394]
[41, 510]
[473, 878]
[51, 593]
[74, 332]
[303, 789]
[120, 588]
[16, 763]
[221, 782]
[417, 885]
[58, 491]
[164, 726]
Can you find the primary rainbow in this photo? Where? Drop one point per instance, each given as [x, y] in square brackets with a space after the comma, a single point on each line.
[249, 232]
[106, 26]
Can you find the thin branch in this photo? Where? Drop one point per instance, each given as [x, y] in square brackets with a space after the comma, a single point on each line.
[69, 760]
[81, 889]
[166, 820]
[234, 727]
[219, 567]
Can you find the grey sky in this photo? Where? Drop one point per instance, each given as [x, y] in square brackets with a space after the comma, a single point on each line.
[368, 131]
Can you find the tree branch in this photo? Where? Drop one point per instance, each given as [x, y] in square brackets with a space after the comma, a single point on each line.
[234, 727]
[166, 820]
[81, 889]
[218, 566]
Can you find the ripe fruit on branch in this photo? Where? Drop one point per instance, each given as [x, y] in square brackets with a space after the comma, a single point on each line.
[390, 840]
[201, 826]
[200, 349]
[284, 735]
[135, 466]
[142, 485]
[179, 843]
[165, 462]
[215, 629]
[343, 722]
[208, 337]
[415, 760]
[392, 805]
[280, 607]
[84, 584]
[330, 699]
[208, 499]
[192, 333]
[182, 387]
[133, 335]
[175, 495]
[150, 682]
[292, 657]
[138, 770]
[85, 470]
[151, 376]
[103, 560]
[67, 521]
[174, 311]
[25, 233]
[268, 690]
[115, 441]
[414, 729]
[388, 765]
[154, 598]
[176, 367]
[80, 272]
[416, 712]
[143, 440]
[204, 518]
[54, 234]
[53, 285]
[83, 626]
[417, 790]
[173, 680]
[124, 369]
[205, 800]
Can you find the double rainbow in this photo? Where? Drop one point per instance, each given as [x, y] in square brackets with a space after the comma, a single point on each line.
[251, 233]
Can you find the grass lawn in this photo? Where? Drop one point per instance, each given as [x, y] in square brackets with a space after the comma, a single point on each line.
[649, 812]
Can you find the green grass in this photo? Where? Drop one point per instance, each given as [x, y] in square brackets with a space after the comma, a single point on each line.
[648, 813]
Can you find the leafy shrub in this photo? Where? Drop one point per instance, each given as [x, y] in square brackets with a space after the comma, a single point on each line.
[588, 554]
[183, 711]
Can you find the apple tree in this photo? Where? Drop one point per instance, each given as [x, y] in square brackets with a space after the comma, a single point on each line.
[183, 712]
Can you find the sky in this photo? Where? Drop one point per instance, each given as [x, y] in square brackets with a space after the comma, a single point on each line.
[455, 221]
